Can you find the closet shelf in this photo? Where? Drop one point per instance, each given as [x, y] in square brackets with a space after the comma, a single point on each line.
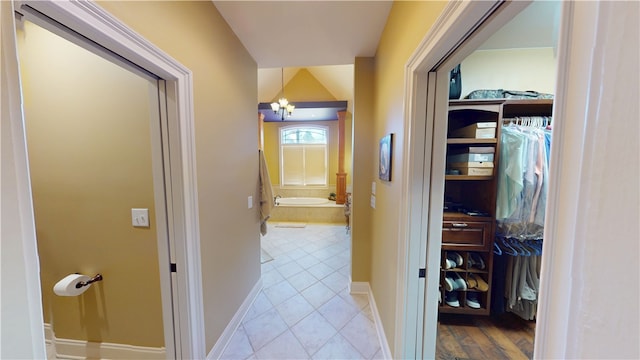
[468, 141]
[462, 270]
[467, 177]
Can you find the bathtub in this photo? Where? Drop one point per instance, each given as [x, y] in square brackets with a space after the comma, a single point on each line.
[303, 201]
[308, 210]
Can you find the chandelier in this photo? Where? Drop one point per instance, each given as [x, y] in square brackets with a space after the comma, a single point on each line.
[282, 106]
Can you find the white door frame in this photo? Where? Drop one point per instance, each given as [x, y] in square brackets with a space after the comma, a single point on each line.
[93, 22]
[447, 44]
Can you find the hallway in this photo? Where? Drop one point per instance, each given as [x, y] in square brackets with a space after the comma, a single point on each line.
[304, 310]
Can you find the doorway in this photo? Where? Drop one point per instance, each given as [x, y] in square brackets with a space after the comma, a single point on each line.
[427, 83]
[490, 288]
[91, 125]
[92, 23]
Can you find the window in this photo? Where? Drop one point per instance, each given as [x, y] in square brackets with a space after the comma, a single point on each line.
[303, 156]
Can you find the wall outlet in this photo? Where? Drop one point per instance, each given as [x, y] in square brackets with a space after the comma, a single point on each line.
[373, 202]
[140, 217]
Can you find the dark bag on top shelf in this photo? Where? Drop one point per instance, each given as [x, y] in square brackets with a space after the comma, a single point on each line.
[507, 94]
[455, 83]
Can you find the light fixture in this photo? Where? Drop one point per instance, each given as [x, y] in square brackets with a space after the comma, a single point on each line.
[282, 106]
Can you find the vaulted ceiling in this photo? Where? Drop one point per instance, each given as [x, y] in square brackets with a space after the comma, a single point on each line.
[326, 36]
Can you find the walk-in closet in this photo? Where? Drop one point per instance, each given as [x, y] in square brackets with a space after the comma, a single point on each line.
[496, 182]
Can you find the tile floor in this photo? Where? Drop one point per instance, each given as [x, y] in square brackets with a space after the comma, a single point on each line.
[304, 310]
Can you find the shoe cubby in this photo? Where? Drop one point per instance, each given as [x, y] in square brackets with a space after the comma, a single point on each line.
[465, 281]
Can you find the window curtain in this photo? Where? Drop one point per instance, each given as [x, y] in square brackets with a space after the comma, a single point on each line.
[21, 329]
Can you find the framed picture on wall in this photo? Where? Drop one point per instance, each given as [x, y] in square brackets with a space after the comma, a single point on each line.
[385, 153]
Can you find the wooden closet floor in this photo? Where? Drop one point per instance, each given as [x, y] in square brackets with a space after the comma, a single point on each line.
[464, 337]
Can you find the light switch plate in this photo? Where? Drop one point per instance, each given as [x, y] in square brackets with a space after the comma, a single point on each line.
[250, 202]
[373, 202]
[140, 217]
[373, 187]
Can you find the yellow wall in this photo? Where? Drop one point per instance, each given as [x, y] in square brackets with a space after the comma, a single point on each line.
[225, 77]
[363, 141]
[408, 23]
[89, 143]
[305, 87]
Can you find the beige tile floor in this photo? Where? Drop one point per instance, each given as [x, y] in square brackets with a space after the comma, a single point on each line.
[304, 310]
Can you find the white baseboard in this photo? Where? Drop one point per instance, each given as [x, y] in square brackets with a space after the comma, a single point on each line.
[49, 341]
[82, 349]
[356, 287]
[365, 288]
[225, 338]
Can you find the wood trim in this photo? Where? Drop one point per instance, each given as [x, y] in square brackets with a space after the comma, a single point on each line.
[82, 349]
[21, 291]
[576, 43]
[341, 176]
[260, 131]
[358, 287]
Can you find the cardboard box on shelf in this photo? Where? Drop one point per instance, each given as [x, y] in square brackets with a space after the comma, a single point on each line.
[473, 164]
[475, 171]
[479, 130]
[469, 157]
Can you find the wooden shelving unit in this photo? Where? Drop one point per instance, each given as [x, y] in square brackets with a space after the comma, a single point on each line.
[474, 235]
[464, 234]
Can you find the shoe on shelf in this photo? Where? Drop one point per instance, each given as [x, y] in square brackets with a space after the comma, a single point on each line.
[455, 257]
[451, 299]
[449, 282]
[460, 283]
[472, 300]
[475, 260]
[477, 282]
[449, 264]
[453, 282]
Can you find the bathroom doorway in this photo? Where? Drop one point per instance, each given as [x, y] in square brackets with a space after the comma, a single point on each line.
[94, 138]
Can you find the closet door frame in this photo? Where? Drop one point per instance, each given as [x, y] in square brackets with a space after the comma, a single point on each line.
[457, 33]
[91, 21]
[425, 121]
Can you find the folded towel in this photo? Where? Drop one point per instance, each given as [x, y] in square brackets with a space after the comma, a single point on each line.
[266, 194]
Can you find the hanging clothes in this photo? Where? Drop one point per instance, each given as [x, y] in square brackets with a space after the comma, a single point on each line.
[522, 181]
[523, 173]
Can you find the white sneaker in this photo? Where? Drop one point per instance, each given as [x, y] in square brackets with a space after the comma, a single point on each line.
[449, 264]
[472, 300]
[451, 299]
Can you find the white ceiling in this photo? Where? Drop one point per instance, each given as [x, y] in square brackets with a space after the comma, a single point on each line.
[326, 36]
[306, 33]
[535, 27]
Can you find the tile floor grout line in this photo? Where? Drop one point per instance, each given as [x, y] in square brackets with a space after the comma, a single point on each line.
[326, 245]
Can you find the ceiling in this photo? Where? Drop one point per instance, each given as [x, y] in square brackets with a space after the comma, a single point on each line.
[326, 36]
[306, 33]
[535, 27]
